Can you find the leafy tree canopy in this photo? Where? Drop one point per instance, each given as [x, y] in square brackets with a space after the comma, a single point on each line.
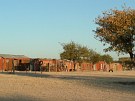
[107, 58]
[117, 28]
[79, 53]
[74, 51]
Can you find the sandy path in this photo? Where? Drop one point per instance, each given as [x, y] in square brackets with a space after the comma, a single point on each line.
[74, 86]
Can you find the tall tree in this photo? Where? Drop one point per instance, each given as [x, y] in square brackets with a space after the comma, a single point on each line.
[107, 58]
[74, 51]
[117, 28]
[95, 57]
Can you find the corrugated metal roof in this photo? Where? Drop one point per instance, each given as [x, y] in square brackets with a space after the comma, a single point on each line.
[12, 56]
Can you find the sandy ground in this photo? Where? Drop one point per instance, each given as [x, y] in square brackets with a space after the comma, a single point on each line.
[63, 86]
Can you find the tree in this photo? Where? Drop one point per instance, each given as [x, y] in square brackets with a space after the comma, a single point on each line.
[107, 58]
[75, 52]
[79, 53]
[95, 57]
[117, 28]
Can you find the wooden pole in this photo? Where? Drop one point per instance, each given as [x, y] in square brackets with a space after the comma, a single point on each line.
[49, 66]
[2, 64]
[13, 67]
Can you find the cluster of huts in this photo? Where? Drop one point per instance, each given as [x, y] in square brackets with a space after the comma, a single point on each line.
[21, 63]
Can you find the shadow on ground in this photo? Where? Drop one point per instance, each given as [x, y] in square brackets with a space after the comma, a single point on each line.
[20, 98]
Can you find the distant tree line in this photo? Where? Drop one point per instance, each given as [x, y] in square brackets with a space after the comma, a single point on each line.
[78, 53]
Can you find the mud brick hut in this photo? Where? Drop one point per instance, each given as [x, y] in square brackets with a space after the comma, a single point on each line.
[69, 65]
[86, 66]
[101, 66]
[58, 65]
[54, 65]
[49, 65]
[116, 66]
[8, 61]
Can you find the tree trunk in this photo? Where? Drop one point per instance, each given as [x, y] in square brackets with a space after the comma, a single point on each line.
[131, 55]
[132, 60]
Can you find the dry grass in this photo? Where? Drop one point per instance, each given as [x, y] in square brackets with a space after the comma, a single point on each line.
[72, 86]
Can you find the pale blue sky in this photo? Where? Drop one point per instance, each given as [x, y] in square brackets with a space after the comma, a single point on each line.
[36, 27]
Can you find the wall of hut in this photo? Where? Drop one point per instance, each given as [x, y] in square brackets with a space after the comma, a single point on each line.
[55, 65]
[85, 66]
[67, 65]
[116, 67]
[7, 64]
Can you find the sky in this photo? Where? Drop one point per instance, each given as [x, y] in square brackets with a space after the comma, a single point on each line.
[36, 28]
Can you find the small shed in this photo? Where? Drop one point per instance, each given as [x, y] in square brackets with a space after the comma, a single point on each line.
[8, 61]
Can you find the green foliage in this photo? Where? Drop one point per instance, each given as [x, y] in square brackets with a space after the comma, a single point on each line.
[79, 53]
[75, 52]
[98, 57]
[117, 28]
[95, 58]
[107, 58]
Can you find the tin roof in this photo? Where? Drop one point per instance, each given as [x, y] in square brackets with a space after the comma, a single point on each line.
[12, 56]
